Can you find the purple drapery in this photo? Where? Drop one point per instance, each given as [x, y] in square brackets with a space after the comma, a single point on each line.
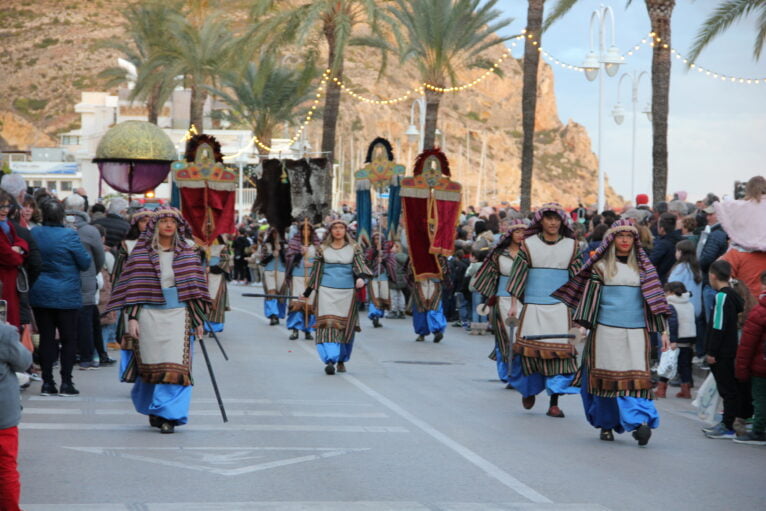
[133, 176]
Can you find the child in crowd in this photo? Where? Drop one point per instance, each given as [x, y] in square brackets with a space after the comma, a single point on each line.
[479, 323]
[750, 365]
[14, 357]
[683, 333]
[721, 346]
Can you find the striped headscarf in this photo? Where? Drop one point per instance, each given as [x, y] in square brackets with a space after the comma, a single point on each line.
[651, 287]
[139, 282]
[139, 214]
[505, 239]
[551, 207]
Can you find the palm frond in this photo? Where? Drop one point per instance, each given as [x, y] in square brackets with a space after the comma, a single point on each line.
[721, 19]
[559, 10]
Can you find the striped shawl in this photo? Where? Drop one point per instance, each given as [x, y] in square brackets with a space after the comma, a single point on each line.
[139, 282]
[577, 289]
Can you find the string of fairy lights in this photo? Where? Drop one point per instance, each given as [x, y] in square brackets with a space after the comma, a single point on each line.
[650, 40]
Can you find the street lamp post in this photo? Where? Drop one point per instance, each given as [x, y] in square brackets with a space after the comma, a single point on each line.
[241, 160]
[412, 132]
[610, 59]
[618, 112]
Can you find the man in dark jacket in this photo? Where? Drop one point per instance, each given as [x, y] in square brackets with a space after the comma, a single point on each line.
[115, 224]
[663, 255]
[713, 244]
[88, 324]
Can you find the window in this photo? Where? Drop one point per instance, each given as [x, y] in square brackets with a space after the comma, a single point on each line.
[37, 183]
[52, 185]
[66, 186]
[70, 140]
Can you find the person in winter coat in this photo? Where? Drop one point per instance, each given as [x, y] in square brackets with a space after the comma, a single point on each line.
[114, 222]
[750, 364]
[55, 296]
[687, 271]
[683, 332]
[663, 255]
[14, 357]
[13, 253]
[713, 244]
[87, 319]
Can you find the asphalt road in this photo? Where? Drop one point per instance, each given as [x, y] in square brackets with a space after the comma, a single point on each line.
[410, 426]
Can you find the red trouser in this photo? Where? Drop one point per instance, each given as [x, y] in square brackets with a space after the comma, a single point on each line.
[10, 485]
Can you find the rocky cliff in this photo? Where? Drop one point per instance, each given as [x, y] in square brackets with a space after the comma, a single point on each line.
[47, 60]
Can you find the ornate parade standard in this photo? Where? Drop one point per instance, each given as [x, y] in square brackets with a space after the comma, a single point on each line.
[431, 203]
[207, 188]
[382, 174]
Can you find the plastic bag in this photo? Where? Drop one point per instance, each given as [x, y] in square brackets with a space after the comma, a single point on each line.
[668, 364]
[707, 401]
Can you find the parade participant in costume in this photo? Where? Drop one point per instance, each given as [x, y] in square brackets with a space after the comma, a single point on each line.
[273, 263]
[338, 270]
[380, 260]
[163, 292]
[619, 297]
[138, 222]
[219, 269]
[548, 258]
[301, 251]
[431, 206]
[492, 281]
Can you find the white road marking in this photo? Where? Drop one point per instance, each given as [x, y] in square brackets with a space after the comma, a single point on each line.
[316, 506]
[214, 459]
[207, 413]
[203, 400]
[489, 468]
[88, 426]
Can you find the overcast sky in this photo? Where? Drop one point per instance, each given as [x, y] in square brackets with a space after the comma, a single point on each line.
[717, 129]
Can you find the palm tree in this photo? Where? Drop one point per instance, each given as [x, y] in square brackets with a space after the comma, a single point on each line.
[529, 98]
[335, 21]
[266, 95]
[723, 17]
[443, 37]
[660, 13]
[145, 27]
[199, 54]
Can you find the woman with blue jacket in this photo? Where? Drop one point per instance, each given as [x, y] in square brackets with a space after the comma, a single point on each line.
[55, 295]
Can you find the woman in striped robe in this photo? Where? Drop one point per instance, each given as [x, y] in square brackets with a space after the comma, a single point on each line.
[492, 281]
[338, 270]
[163, 292]
[618, 296]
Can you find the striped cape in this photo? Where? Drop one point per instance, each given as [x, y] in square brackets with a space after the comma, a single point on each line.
[573, 292]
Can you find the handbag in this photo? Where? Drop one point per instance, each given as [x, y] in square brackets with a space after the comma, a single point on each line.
[668, 364]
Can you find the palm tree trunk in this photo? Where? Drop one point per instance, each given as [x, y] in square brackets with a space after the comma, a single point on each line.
[660, 12]
[433, 98]
[152, 105]
[197, 109]
[529, 99]
[332, 98]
